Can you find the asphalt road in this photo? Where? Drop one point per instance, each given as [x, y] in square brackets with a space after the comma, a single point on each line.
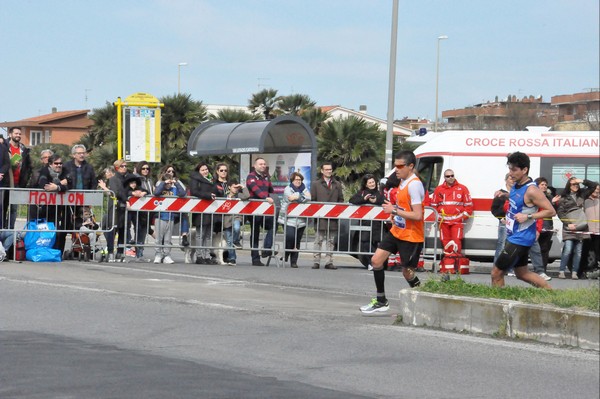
[89, 330]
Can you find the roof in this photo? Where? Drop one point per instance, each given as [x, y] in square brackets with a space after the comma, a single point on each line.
[337, 109]
[284, 134]
[65, 119]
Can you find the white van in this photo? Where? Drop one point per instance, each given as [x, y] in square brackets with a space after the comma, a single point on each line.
[478, 159]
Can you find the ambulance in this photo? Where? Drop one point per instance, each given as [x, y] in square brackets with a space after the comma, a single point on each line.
[478, 159]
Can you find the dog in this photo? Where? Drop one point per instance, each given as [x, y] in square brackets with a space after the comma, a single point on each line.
[219, 243]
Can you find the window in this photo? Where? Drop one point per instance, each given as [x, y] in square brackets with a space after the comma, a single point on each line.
[430, 170]
[559, 170]
[35, 137]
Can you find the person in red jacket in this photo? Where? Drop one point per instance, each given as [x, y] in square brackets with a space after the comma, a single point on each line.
[454, 205]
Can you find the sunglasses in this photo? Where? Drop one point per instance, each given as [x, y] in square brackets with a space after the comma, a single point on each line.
[145, 168]
[170, 171]
[399, 165]
[574, 184]
[57, 163]
[448, 176]
[122, 166]
[222, 170]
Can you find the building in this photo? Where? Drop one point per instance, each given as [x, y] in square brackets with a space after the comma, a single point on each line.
[507, 114]
[339, 112]
[64, 127]
[578, 111]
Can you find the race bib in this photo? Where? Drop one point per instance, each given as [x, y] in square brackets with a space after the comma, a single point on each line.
[510, 224]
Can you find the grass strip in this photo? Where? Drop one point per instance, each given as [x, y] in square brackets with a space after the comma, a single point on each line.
[579, 298]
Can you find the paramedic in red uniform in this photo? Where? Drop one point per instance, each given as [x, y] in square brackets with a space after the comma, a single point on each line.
[454, 205]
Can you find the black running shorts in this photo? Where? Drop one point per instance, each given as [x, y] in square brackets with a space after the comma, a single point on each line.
[409, 251]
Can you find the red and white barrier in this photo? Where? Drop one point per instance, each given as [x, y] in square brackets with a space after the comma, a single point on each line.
[195, 205]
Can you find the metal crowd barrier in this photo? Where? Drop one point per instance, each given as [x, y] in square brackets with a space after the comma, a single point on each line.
[207, 224]
[74, 212]
[352, 229]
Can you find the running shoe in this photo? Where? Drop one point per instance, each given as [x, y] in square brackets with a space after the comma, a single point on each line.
[545, 276]
[168, 260]
[375, 306]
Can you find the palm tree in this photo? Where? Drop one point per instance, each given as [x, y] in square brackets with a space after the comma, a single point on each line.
[295, 104]
[234, 115]
[315, 117]
[354, 146]
[265, 102]
[180, 116]
[104, 129]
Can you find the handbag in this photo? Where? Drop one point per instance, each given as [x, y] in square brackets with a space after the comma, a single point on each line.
[42, 237]
[578, 218]
[44, 254]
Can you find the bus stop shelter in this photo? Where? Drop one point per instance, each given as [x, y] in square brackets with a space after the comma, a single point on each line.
[287, 143]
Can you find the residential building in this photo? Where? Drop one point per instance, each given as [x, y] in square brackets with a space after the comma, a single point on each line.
[578, 111]
[339, 112]
[58, 127]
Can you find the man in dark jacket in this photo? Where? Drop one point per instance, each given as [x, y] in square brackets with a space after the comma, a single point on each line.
[326, 189]
[81, 173]
[4, 178]
[116, 184]
[20, 163]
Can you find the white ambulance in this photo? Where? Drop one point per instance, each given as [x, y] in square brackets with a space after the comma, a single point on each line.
[478, 159]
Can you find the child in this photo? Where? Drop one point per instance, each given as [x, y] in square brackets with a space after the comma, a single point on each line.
[133, 187]
[167, 186]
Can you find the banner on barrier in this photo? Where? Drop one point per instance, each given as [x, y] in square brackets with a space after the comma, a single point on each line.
[69, 198]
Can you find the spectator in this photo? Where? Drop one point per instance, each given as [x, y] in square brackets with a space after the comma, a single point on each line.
[133, 187]
[294, 227]
[231, 224]
[499, 208]
[203, 187]
[20, 166]
[570, 211]
[259, 187]
[545, 236]
[54, 179]
[35, 176]
[80, 172]
[591, 208]
[368, 194]
[167, 186]
[453, 203]
[107, 222]
[326, 189]
[7, 239]
[116, 185]
[141, 220]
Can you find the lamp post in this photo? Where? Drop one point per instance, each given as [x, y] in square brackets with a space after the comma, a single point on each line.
[437, 80]
[179, 75]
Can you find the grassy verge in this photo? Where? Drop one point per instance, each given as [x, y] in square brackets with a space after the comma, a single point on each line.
[581, 298]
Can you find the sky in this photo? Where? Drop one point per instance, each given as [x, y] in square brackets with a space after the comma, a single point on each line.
[73, 54]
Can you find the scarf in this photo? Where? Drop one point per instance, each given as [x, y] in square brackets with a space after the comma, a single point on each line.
[298, 189]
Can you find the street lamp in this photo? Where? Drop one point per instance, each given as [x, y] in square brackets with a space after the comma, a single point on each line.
[437, 80]
[179, 75]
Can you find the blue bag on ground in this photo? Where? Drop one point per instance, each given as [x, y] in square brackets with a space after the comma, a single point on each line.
[42, 237]
[43, 254]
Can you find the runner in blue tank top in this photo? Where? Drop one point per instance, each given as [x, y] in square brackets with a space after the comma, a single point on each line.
[526, 200]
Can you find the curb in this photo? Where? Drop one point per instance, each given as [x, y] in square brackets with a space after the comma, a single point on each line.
[501, 318]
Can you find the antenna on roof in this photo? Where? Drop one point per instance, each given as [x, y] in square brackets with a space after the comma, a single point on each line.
[86, 96]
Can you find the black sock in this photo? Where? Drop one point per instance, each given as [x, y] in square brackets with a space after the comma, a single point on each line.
[379, 276]
[414, 282]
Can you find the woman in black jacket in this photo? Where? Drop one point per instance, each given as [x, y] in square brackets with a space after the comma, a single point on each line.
[368, 194]
[202, 186]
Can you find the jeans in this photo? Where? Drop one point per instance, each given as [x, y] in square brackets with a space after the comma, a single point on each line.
[257, 223]
[535, 254]
[501, 239]
[293, 238]
[571, 247]
[229, 234]
[237, 225]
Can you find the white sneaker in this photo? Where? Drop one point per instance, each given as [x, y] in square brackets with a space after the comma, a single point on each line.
[545, 276]
[510, 274]
[158, 258]
[188, 257]
[561, 275]
[168, 260]
[111, 258]
[375, 307]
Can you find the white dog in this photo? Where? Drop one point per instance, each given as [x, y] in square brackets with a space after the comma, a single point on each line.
[219, 243]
